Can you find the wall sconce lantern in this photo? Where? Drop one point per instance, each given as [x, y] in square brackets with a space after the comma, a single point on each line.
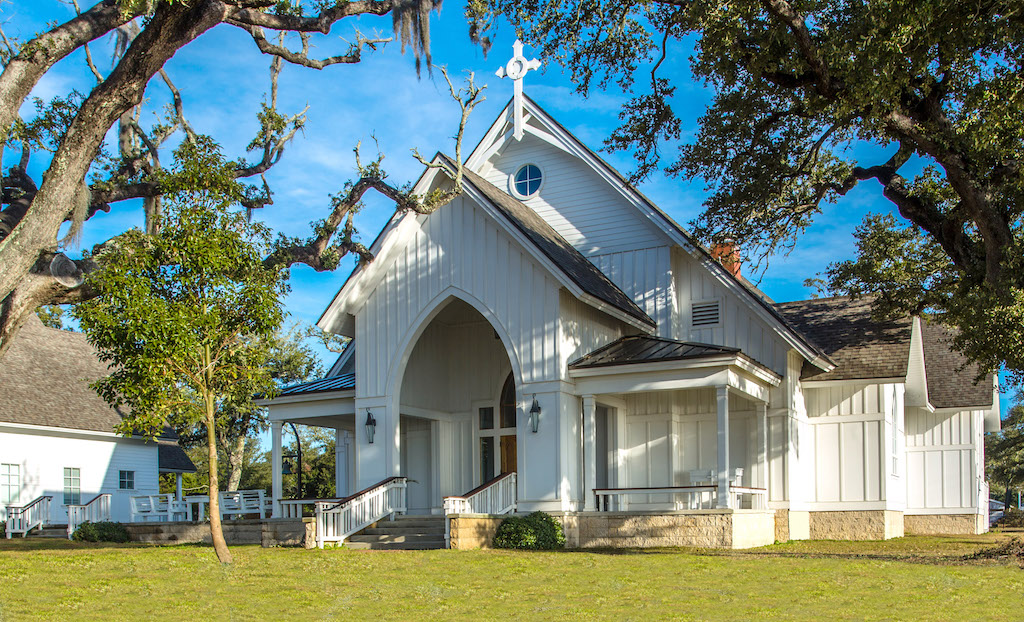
[371, 427]
[534, 414]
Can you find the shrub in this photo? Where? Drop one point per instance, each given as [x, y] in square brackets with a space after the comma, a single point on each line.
[1012, 517]
[535, 532]
[100, 532]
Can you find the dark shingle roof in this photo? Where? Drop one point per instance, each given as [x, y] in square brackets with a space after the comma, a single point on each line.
[569, 260]
[843, 328]
[173, 459]
[45, 377]
[343, 382]
[942, 365]
[644, 349]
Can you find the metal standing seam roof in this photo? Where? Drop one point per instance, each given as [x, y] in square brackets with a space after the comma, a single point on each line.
[635, 349]
[564, 255]
[343, 382]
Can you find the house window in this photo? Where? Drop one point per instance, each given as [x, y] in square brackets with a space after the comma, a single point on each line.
[126, 480]
[72, 486]
[10, 483]
[497, 434]
[527, 180]
[706, 313]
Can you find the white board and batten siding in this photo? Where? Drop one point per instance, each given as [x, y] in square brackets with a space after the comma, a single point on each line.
[943, 462]
[737, 327]
[645, 276]
[42, 458]
[590, 214]
[855, 446]
[445, 252]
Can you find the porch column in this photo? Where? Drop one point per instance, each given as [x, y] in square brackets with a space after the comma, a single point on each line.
[589, 452]
[341, 461]
[724, 498]
[275, 466]
[762, 440]
[177, 486]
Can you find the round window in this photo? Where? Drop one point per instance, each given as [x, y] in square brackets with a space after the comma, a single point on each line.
[527, 180]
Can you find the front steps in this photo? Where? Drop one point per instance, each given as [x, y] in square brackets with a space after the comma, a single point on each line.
[49, 531]
[404, 533]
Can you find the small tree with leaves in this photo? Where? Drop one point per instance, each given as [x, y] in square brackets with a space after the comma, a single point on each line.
[174, 313]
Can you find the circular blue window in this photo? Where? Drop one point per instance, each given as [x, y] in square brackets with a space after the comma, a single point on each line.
[527, 180]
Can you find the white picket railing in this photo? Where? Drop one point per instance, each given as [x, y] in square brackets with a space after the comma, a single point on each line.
[295, 508]
[337, 521]
[96, 511]
[24, 518]
[683, 497]
[497, 496]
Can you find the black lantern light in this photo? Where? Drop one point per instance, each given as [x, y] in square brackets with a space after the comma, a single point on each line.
[371, 426]
[534, 414]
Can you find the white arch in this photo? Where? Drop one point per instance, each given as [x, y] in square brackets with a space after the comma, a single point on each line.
[398, 365]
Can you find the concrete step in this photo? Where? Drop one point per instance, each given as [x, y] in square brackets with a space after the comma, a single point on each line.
[390, 537]
[49, 532]
[402, 531]
[395, 546]
[413, 522]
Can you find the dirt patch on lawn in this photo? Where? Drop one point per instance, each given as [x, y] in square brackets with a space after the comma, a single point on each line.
[1009, 552]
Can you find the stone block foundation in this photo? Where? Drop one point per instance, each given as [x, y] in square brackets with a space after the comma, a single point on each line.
[945, 524]
[856, 525]
[730, 529]
[473, 531]
[269, 532]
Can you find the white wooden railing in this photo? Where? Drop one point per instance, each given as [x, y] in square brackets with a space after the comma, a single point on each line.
[497, 496]
[96, 511]
[337, 521]
[684, 497]
[295, 508]
[158, 507]
[24, 518]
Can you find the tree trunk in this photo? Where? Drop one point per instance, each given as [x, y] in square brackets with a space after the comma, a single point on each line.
[235, 455]
[216, 532]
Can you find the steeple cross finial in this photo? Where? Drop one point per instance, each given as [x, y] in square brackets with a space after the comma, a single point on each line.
[516, 70]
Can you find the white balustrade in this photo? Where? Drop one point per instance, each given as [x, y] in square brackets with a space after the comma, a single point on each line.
[684, 497]
[24, 518]
[497, 496]
[96, 511]
[159, 507]
[337, 521]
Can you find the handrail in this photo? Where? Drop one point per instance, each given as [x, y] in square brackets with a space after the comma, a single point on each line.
[497, 496]
[96, 511]
[337, 521]
[24, 518]
[694, 497]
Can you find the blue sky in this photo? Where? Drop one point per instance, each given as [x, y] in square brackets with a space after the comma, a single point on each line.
[223, 78]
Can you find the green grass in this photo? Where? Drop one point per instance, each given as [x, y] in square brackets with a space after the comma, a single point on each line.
[909, 578]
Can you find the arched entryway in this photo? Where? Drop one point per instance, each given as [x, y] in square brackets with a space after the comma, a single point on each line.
[458, 407]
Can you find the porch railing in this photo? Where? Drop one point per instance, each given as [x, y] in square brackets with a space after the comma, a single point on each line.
[163, 507]
[297, 508]
[96, 511]
[22, 519]
[497, 496]
[337, 521]
[684, 497]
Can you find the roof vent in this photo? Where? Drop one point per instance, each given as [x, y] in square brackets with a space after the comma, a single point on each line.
[707, 313]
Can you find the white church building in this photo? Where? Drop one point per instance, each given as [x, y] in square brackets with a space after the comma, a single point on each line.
[552, 340]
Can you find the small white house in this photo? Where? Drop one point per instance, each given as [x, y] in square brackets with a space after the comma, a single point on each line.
[552, 322]
[57, 436]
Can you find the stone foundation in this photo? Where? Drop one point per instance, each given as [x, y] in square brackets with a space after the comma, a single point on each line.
[781, 525]
[856, 525]
[247, 531]
[730, 529]
[944, 524]
[474, 531]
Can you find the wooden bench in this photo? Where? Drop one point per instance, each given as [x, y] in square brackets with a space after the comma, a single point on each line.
[158, 507]
[241, 502]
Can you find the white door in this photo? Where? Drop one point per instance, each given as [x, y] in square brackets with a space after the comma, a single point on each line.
[416, 461]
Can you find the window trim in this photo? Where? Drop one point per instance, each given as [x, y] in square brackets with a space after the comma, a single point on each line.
[7, 466]
[512, 181]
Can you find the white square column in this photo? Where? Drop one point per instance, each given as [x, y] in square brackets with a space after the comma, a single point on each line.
[342, 449]
[275, 466]
[589, 452]
[724, 498]
[762, 449]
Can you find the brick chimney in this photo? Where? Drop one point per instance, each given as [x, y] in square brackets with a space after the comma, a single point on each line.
[727, 253]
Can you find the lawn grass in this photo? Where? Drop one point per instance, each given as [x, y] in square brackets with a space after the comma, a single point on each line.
[907, 578]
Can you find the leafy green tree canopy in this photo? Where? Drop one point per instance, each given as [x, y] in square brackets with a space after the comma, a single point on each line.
[933, 85]
[174, 313]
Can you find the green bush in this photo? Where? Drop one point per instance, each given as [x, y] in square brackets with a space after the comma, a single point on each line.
[100, 532]
[535, 532]
[1012, 517]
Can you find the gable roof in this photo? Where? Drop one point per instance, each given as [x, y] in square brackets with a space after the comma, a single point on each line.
[942, 363]
[570, 261]
[743, 288]
[861, 346]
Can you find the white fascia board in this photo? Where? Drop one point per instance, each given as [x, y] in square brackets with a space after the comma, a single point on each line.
[306, 397]
[493, 139]
[821, 384]
[660, 222]
[343, 358]
[55, 431]
[917, 374]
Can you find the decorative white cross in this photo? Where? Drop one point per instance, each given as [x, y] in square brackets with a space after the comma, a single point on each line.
[516, 70]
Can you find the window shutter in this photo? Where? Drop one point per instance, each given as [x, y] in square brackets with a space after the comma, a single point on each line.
[706, 313]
